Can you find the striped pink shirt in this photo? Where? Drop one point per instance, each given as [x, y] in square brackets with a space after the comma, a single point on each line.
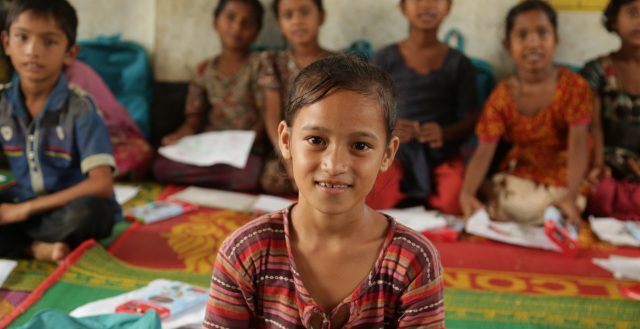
[255, 283]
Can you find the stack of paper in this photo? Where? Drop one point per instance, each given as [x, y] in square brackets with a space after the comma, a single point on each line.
[523, 235]
[622, 267]
[613, 231]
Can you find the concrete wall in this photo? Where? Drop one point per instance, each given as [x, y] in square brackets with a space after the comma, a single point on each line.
[178, 33]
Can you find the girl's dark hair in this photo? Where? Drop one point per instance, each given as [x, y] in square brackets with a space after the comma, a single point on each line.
[342, 72]
[529, 5]
[60, 10]
[276, 6]
[610, 14]
[255, 5]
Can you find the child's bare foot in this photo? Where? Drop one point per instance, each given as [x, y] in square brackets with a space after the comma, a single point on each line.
[51, 251]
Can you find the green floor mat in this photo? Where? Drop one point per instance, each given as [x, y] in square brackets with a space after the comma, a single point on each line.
[98, 275]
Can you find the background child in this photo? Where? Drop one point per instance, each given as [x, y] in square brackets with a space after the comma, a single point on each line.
[299, 22]
[330, 260]
[57, 145]
[223, 96]
[544, 111]
[437, 100]
[615, 78]
[132, 152]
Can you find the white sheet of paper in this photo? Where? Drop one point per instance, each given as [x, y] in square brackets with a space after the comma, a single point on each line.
[216, 198]
[6, 267]
[230, 147]
[624, 268]
[269, 203]
[125, 193]
[418, 218]
[613, 231]
[108, 306]
[522, 235]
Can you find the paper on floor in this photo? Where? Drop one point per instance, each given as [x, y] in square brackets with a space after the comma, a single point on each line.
[523, 235]
[125, 193]
[613, 231]
[108, 306]
[417, 218]
[229, 147]
[624, 268]
[269, 203]
[216, 198]
[6, 267]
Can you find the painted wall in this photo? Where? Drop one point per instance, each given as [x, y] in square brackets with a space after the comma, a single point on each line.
[178, 33]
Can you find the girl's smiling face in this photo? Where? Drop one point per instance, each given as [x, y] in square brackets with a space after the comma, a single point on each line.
[337, 146]
[532, 41]
[300, 20]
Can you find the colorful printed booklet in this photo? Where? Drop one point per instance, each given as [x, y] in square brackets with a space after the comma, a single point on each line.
[159, 210]
[167, 298]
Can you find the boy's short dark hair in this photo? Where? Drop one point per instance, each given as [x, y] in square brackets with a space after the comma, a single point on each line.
[611, 12]
[276, 6]
[255, 5]
[342, 72]
[529, 5]
[61, 11]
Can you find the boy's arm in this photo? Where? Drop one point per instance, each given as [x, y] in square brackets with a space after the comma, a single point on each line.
[99, 183]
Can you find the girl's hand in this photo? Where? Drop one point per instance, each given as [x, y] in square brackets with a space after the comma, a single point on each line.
[431, 133]
[469, 204]
[14, 212]
[569, 208]
[596, 175]
[634, 166]
[406, 130]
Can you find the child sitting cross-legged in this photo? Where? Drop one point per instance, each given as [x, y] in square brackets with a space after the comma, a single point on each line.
[57, 145]
[223, 96]
[544, 112]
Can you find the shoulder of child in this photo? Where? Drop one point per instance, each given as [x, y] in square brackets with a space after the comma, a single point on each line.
[264, 228]
[418, 250]
[573, 79]
[383, 54]
[202, 66]
[78, 90]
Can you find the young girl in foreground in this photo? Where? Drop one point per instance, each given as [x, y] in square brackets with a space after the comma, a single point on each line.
[544, 111]
[615, 79]
[330, 261]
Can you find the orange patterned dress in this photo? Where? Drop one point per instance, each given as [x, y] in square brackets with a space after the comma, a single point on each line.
[539, 142]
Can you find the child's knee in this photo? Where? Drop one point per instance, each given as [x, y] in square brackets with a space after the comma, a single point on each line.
[90, 216]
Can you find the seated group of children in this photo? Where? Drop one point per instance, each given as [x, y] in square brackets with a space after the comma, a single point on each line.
[345, 136]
